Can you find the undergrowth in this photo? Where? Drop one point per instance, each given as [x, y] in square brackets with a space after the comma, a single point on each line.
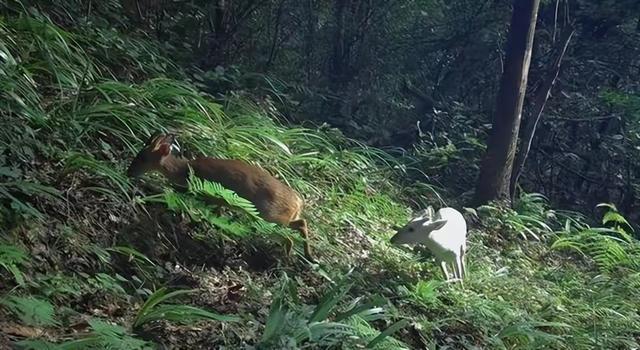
[91, 259]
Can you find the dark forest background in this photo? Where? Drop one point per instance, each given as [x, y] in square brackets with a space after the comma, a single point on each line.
[422, 76]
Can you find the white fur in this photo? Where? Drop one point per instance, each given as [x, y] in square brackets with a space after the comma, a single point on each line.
[444, 233]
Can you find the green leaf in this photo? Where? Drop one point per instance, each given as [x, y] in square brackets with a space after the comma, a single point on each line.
[328, 302]
[275, 321]
[370, 311]
[151, 310]
[133, 253]
[387, 333]
[182, 314]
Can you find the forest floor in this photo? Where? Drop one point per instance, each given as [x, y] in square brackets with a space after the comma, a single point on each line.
[92, 259]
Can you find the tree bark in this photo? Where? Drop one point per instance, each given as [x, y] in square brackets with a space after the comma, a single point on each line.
[540, 100]
[495, 171]
[339, 50]
[338, 66]
[275, 37]
[309, 39]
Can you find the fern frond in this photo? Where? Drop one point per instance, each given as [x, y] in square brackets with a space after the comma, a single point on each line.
[206, 188]
[605, 250]
[12, 258]
[31, 311]
[199, 211]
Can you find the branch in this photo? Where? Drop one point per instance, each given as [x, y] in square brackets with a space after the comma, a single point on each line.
[579, 120]
[529, 128]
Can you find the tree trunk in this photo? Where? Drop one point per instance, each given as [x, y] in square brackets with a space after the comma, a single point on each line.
[309, 40]
[338, 59]
[275, 37]
[495, 172]
[338, 70]
[540, 100]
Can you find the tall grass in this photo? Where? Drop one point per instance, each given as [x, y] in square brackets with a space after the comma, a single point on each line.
[83, 126]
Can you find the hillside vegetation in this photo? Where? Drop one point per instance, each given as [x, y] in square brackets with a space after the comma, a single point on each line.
[90, 259]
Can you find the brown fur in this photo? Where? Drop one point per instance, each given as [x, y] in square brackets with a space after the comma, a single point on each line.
[275, 201]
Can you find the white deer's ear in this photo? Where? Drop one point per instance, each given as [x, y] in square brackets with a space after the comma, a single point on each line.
[422, 214]
[430, 212]
[435, 225]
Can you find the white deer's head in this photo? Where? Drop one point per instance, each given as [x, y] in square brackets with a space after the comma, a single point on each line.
[419, 227]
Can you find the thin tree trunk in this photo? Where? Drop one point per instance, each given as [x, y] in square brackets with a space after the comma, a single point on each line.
[540, 100]
[495, 172]
[309, 41]
[338, 62]
[276, 36]
[338, 58]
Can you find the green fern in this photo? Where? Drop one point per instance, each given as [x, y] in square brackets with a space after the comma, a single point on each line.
[12, 259]
[602, 246]
[200, 211]
[111, 336]
[426, 292]
[608, 247]
[530, 334]
[206, 188]
[31, 311]
[614, 218]
[103, 335]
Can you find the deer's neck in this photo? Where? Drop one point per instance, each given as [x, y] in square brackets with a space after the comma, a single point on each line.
[176, 169]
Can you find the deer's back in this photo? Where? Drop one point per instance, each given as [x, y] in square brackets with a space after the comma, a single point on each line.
[453, 234]
[275, 201]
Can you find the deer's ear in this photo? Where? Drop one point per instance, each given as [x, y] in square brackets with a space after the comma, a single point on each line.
[430, 212]
[155, 138]
[169, 138]
[422, 214]
[162, 139]
[436, 225]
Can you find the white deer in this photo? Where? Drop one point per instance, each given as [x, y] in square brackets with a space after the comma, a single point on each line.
[444, 233]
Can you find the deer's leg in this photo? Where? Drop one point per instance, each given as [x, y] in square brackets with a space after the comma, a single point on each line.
[462, 264]
[443, 267]
[458, 270]
[288, 246]
[301, 225]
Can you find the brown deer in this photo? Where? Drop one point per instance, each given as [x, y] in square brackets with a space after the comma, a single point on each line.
[275, 201]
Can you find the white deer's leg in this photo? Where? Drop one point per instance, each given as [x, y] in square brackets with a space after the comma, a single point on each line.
[459, 269]
[443, 266]
[456, 269]
[462, 264]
